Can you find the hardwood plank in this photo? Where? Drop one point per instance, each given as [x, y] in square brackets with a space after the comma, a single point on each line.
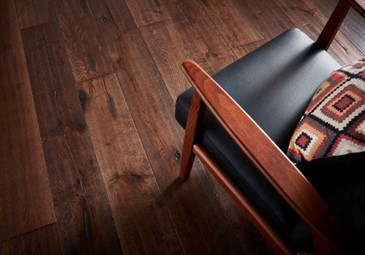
[307, 17]
[250, 239]
[146, 12]
[84, 46]
[42, 241]
[173, 41]
[204, 217]
[131, 184]
[34, 13]
[230, 23]
[9, 27]
[84, 218]
[26, 200]
[152, 110]
[352, 27]
[167, 49]
[269, 19]
[170, 44]
[105, 12]
[200, 37]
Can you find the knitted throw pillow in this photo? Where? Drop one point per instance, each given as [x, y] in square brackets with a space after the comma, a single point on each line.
[334, 121]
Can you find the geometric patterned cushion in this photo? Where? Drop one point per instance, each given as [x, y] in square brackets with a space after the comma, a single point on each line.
[334, 121]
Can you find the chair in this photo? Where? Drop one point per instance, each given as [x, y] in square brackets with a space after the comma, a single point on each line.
[239, 122]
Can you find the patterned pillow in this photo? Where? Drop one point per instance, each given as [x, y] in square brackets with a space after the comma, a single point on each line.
[334, 121]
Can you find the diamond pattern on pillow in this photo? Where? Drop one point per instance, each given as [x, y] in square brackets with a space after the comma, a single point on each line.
[334, 122]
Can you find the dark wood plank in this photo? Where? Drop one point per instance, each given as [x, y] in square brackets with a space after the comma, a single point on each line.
[353, 28]
[146, 12]
[9, 26]
[173, 41]
[43, 241]
[269, 19]
[84, 46]
[26, 200]
[353, 25]
[84, 218]
[200, 37]
[307, 17]
[127, 174]
[230, 23]
[167, 49]
[34, 13]
[152, 110]
[250, 238]
[173, 31]
[170, 43]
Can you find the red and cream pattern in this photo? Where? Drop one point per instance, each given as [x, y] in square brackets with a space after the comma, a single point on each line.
[334, 121]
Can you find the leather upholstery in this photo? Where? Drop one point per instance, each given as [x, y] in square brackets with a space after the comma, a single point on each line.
[274, 85]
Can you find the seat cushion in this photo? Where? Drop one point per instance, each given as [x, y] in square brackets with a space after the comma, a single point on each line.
[274, 85]
[334, 122]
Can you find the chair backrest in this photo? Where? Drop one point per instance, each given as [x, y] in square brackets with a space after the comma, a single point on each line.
[338, 15]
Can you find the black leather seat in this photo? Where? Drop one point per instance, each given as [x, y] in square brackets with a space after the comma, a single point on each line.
[283, 74]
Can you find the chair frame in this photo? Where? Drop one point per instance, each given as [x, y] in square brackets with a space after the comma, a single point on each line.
[328, 235]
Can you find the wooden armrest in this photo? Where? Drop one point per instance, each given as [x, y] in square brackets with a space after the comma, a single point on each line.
[329, 31]
[269, 159]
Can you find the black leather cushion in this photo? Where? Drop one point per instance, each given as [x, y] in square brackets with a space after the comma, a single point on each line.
[274, 85]
[348, 203]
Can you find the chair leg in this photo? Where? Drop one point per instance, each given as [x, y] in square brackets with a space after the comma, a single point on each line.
[192, 131]
[187, 157]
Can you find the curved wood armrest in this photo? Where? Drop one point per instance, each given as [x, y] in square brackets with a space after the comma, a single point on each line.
[269, 159]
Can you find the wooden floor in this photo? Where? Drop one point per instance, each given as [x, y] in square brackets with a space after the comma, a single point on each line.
[89, 147]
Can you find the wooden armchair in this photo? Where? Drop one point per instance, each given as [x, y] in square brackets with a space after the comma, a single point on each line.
[253, 106]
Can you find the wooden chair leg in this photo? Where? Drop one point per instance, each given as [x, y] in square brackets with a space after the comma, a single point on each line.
[192, 131]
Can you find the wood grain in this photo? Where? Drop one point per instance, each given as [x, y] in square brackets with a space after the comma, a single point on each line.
[352, 26]
[43, 241]
[192, 23]
[33, 13]
[193, 131]
[9, 26]
[84, 218]
[26, 200]
[166, 47]
[172, 41]
[146, 12]
[353, 30]
[140, 80]
[269, 19]
[135, 197]
[90, 218]
[84, 46]
[230, 23]
[311, 21]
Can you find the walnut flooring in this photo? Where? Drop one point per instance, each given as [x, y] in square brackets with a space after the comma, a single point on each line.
[89, 147]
